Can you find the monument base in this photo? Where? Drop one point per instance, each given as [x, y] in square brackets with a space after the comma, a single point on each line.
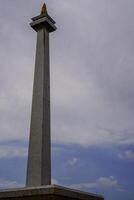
[51, 192]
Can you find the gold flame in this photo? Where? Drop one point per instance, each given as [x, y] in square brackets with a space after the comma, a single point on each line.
[43, 9]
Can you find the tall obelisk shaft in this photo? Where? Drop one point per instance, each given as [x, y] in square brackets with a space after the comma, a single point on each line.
[39, 157]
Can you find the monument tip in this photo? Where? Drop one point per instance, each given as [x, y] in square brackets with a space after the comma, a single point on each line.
[43, 9]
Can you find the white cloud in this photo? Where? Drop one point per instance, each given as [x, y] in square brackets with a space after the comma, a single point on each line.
[55, 182]
[73, 161]
[126, 155]
[107, 182]
[9, 184]
[10, 151]
[102, 182]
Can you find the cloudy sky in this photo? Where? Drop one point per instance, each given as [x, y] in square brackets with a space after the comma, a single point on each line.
[92, 93]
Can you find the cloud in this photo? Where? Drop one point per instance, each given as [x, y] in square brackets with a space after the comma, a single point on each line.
[93, 94]
[102, 182]
[9, 184]
[11, 151]
[55, 182]
[92, 74]
[107, 182]
[73, 161]
[126, 155]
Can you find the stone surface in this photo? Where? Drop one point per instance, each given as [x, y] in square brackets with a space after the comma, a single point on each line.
[51, 192]
[39, 156]
[45, 21]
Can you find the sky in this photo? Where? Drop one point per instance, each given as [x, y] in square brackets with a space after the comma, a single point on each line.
[92, 95]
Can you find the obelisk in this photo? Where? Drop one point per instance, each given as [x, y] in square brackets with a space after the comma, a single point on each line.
[39, 155]
[38, 183]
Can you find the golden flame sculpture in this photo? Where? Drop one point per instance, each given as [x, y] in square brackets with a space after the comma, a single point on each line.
[43, 9]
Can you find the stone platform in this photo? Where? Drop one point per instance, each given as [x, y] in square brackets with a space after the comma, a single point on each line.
[51, 192]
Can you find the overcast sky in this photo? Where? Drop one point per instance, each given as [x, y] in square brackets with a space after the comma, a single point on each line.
[92, 93]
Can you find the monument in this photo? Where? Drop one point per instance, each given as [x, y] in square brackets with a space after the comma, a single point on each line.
[38, 182]
[39, 156]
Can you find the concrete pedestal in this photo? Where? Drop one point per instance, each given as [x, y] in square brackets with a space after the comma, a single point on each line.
[51, 192]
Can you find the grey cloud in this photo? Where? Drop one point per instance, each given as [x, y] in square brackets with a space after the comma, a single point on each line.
[91, 70]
